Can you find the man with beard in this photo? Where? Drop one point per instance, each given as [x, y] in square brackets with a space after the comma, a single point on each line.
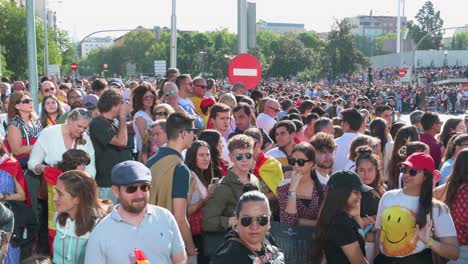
[74, 97]
[324, 145]
[137, 225]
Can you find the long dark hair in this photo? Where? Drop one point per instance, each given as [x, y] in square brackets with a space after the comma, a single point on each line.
[139, 93]
[365, 153]
[377, 129]
[44, 114]
[212, 137]
[90, 209]
[405, 135]
[456, 140]
[457, 178]
[309, 151]
[335, 203]
[448, 128]
[191, 161]
[425, 199]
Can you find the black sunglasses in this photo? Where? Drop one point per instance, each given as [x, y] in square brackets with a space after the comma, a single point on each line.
[25, 101]
[412, 172]
[202, 86]
[192, 130]
[160, 113]
[248, 220]
[132, 189]
[300, 162]
[241, 156]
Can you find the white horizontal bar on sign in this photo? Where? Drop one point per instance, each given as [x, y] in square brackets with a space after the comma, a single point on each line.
[245, 72]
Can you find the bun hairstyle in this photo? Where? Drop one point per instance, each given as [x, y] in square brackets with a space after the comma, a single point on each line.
[362, 150]
[412, 147]
[365, 153]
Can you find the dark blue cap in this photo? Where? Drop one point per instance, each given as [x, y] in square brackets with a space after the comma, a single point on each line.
[130, 172]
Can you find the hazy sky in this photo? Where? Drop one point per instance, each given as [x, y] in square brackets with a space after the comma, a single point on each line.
[86, 16]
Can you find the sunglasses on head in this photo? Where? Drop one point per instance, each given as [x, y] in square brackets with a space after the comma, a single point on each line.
[241, 156]
[412, 172]
[300, 162]
[160, 113]
[25, 101]
[132, 189]
[173, 92]
[248, 220]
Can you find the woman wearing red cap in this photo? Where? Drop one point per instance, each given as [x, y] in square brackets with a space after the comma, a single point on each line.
[412, 226]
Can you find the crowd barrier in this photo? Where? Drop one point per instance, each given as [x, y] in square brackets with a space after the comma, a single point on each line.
[297, 242]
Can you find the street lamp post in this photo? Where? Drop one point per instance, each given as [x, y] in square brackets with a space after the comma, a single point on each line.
[445, 58]
[46, 40]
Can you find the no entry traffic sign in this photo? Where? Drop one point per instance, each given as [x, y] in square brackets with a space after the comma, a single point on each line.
[246, 69]
[402, 72]
[73, 66]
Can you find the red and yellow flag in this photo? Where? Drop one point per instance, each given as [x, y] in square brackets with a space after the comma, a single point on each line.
[269, 170]
[140, 257]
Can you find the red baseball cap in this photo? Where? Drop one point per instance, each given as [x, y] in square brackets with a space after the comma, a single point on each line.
[420, 161]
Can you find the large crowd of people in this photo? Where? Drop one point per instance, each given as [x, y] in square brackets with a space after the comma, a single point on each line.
[185, 170]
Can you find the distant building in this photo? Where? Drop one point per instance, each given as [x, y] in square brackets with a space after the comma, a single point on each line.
[95, 43]
[373, 26]
[280, 28]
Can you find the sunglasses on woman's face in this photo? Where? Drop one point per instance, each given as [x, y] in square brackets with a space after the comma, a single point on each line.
[132, 189]
[248, 220]
[300, 162]
[25, 101]
[160, 113]
[412, 172]
[241, 156]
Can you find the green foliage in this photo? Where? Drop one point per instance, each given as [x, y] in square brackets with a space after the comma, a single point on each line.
[459, 41]
[341, 54]
[291, 57]
[380, 40]
[427, 20]
[14, 46]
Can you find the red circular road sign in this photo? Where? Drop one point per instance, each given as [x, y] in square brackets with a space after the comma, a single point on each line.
[402, 72]
[73, 66]
[246, 69]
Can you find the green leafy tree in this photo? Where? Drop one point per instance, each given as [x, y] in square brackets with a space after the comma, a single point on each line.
[291, 57]
[427, 20]
[380, 40]
[341, 54]
[459, 41]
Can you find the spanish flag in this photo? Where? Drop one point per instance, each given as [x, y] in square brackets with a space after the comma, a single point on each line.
[140, 257]
[269, 170]
[51, 176]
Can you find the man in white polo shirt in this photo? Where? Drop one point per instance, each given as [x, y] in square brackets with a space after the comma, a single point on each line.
[134, 224]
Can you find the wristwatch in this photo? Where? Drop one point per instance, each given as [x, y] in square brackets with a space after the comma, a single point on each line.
[292, 195]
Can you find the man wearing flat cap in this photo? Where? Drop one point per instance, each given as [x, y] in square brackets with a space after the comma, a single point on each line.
[134, 226]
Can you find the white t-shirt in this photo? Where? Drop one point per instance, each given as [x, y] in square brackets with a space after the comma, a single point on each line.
[342, 151]
[148, 119]
[266, 122]
[396, 220]
[322, 179]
